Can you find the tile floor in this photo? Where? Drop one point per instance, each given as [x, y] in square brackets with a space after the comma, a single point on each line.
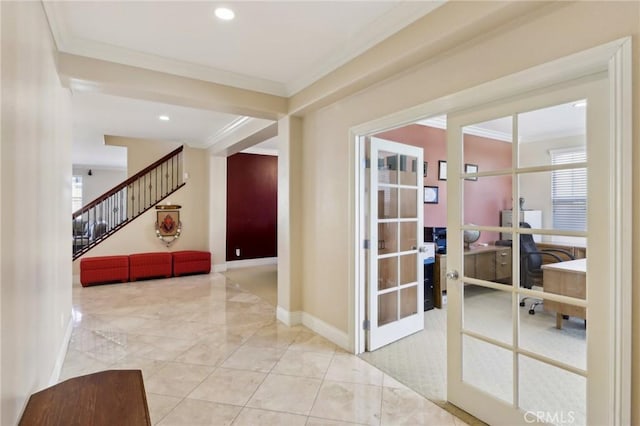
[213, 354]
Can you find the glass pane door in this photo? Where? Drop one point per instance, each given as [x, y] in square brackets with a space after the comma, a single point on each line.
[395, 259]
[522, 204]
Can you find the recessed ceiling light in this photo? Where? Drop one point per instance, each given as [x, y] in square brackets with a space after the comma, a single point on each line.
[224, 13]
[163, 118]
[580, 104]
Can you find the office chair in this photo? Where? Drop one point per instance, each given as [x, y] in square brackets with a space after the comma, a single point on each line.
[531, 264]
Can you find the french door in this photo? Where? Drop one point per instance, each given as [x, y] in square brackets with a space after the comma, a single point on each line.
[545, 155]
[395, 240]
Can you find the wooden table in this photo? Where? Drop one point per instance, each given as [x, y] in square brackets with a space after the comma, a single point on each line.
[568, 279]
[106, 398]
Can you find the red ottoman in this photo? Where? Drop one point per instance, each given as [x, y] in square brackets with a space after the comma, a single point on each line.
[149, 265]
[104, 269]
[191, 262]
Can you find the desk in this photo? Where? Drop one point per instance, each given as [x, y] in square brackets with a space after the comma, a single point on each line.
[490, 263]
[568, 279]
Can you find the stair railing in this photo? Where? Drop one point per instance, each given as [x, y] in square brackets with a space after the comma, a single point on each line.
[117, 207]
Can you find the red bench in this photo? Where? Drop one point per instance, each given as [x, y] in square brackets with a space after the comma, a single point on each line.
[191, 262]
[149, 265]
[104, 269]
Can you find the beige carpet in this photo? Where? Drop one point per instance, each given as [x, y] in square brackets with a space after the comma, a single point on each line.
[419, 361]
[259, 280]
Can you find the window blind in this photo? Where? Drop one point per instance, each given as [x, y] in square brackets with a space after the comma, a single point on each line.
[569, 191]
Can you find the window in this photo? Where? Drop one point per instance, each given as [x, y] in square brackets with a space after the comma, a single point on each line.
[569, 190]
[76, 193]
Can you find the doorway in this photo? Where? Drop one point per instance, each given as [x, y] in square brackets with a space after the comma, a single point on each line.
[613, 312]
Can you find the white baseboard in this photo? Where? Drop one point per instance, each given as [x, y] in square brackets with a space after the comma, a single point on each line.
[62, 353]
[289, 318]
[325, 330]
[252, 262]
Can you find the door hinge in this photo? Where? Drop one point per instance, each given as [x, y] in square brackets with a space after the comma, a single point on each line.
[366, 325]
[366, 244]
[367, 163]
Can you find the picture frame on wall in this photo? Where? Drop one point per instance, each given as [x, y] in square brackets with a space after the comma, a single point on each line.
[442, 170]
[424, 169]
[431, 195]
[471, 168]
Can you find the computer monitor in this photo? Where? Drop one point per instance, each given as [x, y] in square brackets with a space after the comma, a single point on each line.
[438, 235]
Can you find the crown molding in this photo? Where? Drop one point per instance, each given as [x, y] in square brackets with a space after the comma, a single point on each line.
[260, 151]
[66, 43]
[440, 122]
[402, 15]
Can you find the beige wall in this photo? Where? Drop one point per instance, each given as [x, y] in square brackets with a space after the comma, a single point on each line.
[139, 236]
[100, 181]
[290, 232]
[546, 34]
[36, 208]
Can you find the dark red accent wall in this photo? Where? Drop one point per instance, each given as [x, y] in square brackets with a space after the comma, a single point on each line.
[252, 202]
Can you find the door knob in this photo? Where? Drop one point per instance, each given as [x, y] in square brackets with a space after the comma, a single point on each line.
[422, 249]
[452, 275]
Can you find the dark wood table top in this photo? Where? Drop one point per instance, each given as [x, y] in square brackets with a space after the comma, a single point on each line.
[113, 397]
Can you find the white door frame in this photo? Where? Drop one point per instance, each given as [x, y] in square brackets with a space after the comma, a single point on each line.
[615, 59]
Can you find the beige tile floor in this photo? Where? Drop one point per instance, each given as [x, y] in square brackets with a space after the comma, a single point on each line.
[214, 354]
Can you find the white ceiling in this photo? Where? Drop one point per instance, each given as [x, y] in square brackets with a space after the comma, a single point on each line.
[276, 47]
[96, 115]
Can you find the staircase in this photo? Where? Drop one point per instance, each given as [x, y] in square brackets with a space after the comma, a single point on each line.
[110, 212]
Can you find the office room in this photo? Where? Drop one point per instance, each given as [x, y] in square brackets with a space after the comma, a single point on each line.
[550, 198]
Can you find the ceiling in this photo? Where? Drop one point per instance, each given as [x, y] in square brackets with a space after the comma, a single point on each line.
[275, 47]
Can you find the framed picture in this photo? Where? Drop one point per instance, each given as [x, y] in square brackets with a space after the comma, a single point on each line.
[442, 170]
[471, 168]
[424, 169]
[431, 195]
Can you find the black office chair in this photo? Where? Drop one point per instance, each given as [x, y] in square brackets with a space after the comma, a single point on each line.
[531, 264]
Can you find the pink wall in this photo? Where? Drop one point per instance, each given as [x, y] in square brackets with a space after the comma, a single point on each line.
[483, 198]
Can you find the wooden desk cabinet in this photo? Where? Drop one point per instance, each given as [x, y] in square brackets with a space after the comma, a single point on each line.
[569, 279]
[490, 263]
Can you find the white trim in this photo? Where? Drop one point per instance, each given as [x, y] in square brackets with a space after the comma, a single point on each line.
[375, 32]
[315, 324]
[239, 135]
[260, 151]
[227, 130]
[615, 56]
[392, 21]
[219, 267]
[563, 69]
[62, 353]
[440, 122]
[287, 317]
[245, 263]
[325, 330]
[621, 106]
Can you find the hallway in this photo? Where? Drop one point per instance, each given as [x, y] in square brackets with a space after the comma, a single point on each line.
[212, 353]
